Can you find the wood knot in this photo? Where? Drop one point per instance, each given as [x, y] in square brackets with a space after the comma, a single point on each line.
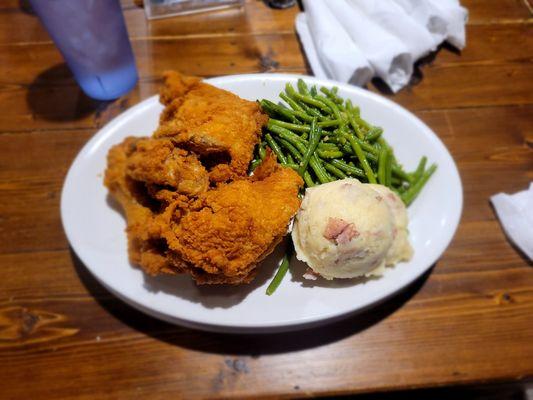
[22, 326]
[503, 298]
[229, 373]
[28, 322]
[238, 365]
[267, 61]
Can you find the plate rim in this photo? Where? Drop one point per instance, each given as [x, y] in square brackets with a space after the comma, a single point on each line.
[110, 128]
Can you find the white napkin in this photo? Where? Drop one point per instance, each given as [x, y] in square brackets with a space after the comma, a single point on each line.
[444, 19]
[329, 49]
[388, 56]
[515, 212]
[348, 40]
[394, 19]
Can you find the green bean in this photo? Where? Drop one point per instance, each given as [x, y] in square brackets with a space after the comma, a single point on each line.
[396, 181]
[349, 169]
[366, 147]
[254, 164]
[297, 98]
[330, 153]
[315, 112]
[360, 122]
[296, 154]
[325, 138]
[281, 272]
[320, 173]
[334, 170]
[314, 138]
[308, 179]
[276, 149]
[261, 150]
[362, 159]
[291, 92]
[330, 104]
[289, 125]
[388, 168]
[331, 95]
[312, 112]
[382, 166]
[420, 168]
[291, 166]
[374, 134]
[278, 130]
[291, 149]
[395, 169]
[272, 108]
[338, 139]
[398, 171]
[294, 105]
[347, 148]
[330, 177]
[410, 194]
[290, 160]
[328, 123]
[352, 120]
[328, 146]
[302, 87]
[311, 101]
[357, 115]
[300, 147]
[302, 128]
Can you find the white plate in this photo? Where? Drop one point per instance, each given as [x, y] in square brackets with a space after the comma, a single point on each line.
[95, 228]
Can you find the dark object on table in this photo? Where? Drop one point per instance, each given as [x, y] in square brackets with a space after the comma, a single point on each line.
[281, 3]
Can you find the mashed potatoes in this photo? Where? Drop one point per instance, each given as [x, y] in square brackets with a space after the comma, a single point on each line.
[346, 229]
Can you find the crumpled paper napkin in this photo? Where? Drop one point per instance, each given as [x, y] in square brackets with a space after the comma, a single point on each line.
[515, 212]
[354, 40]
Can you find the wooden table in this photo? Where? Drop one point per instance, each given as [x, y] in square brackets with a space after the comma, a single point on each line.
[64, 336]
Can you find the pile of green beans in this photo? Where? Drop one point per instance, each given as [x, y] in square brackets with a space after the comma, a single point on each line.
[324, 138]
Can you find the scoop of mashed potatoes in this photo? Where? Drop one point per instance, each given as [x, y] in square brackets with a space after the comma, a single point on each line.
[346, 229]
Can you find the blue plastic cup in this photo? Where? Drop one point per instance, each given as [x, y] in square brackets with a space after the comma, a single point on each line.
[92, 37]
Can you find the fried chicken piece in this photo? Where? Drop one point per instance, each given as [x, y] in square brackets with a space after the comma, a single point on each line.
[176, 221]
[228, 230]
[212, 122]
[159, 163]
[146, 246]
[267, 167]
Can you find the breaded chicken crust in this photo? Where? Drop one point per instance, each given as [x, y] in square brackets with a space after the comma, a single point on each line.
[180, 218]
[211, 122]
[228, 230]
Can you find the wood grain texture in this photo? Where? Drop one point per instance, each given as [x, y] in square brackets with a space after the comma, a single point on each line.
[62, 335]
[31, 89]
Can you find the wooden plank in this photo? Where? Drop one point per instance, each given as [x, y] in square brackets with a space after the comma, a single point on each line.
[487, 46]
[32, 169]
[200, 56]
[489, 72]
[461, 86]
[75, 347]
[489, 145]
[62, 335]
[254, 18]
[63, 106]
[496, 11]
